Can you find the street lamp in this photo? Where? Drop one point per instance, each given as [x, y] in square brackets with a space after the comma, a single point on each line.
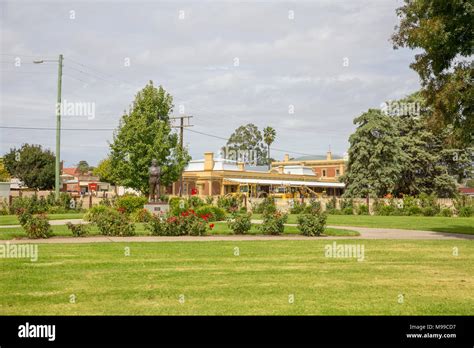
[58, 121]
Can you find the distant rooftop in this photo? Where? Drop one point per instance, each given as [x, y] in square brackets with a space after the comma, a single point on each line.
[314, 158]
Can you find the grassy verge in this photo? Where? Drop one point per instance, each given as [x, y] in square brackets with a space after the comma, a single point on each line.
[425, 223]
[259, 281]
[12, 219]
[220, 228]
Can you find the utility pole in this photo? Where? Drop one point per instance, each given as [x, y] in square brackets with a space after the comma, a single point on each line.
[58, 129]
[58, 122]
[182, 125]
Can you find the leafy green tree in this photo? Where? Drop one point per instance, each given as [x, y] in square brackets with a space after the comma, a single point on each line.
[83, 167]
[443, 31]
[144, 133]
[32, 165]
[245, 143]
[375, 156]
[4, 174]
[104, 171]
[269, 135]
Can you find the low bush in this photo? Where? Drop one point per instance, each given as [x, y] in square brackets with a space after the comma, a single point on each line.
[213, 213]
[78, 230]
[267, 205]
[331, 204]
[347, 211]
[466, 211]
[94, 212]
[446, 212]
[130, 203]
[312, 224]
[273, 223]
[187, 223]
[178, 205]
[35, 226]
[362, 209]
[429, 204]
[195, 202]
[141, 215]
[111, 222]
[229, 203]
[240, 224]
[413, 211]
[298, 207]
[313, 207]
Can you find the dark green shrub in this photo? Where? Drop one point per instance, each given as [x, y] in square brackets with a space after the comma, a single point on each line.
[130, 203]
[78, 230]
[209, 200]
[94, 212]
[429, 211]
[273, 223]
[348, 211]
[429, 204]
[446, 212]
[466, 211]
[240, 224]
[413, 211]
[312, 224]
[363, 209]
[157, 225]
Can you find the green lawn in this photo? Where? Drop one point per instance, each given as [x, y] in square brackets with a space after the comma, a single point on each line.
[220, 229]
[12, 219]
[435, 223]
[258, 282]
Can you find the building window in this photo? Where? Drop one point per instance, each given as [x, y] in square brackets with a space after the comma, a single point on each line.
[338, 172]
[324, 172]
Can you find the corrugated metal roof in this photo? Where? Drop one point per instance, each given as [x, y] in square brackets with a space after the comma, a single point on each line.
[286, 182]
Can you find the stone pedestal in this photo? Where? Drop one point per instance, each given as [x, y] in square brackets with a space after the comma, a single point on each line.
[157, 207]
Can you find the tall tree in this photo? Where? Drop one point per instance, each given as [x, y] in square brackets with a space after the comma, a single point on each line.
[104, 171]
[443, 31]
[246, 144]
[83, 167]
[32, 165]
[269, 135]
[375, 156]
[144, 133]
[4, 174]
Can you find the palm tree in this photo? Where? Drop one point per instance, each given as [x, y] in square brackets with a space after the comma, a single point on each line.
[269, 135]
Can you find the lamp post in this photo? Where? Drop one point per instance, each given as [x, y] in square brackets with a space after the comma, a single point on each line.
[58, 122]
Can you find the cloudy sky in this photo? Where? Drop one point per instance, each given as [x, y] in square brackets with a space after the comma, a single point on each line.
[227, 63]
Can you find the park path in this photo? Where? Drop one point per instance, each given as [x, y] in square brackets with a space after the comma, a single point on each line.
[365, 233]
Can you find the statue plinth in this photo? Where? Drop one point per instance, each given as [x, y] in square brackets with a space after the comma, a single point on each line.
[157, 207]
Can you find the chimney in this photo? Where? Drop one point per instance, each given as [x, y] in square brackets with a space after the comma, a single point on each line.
[280, 169]
[286, 158]
[208, 160]
[241, 166]
[329, 155]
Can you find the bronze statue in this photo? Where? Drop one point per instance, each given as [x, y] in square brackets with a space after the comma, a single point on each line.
[154, 180]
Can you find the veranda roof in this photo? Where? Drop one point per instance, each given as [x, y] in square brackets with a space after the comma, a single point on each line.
[286, 182]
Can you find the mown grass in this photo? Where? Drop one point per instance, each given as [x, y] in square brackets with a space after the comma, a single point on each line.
[13, 220]
[212, 280]
[220, 228]
[424, 223]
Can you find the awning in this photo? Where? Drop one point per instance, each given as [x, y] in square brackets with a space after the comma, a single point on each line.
[286, 182]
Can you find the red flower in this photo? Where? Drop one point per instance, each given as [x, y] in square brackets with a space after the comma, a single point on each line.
[211, 226]
[194, 191]
[121, 210]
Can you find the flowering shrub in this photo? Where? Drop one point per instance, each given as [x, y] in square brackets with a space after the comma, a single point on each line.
[187, 223]
[240, 224]
[111, 222]
[35, 226]
[78, 230]
[213, 213]
[229, 204]
[273, 223]
[312, 224]
[266, 206]
[314, 207]
[141, 215]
